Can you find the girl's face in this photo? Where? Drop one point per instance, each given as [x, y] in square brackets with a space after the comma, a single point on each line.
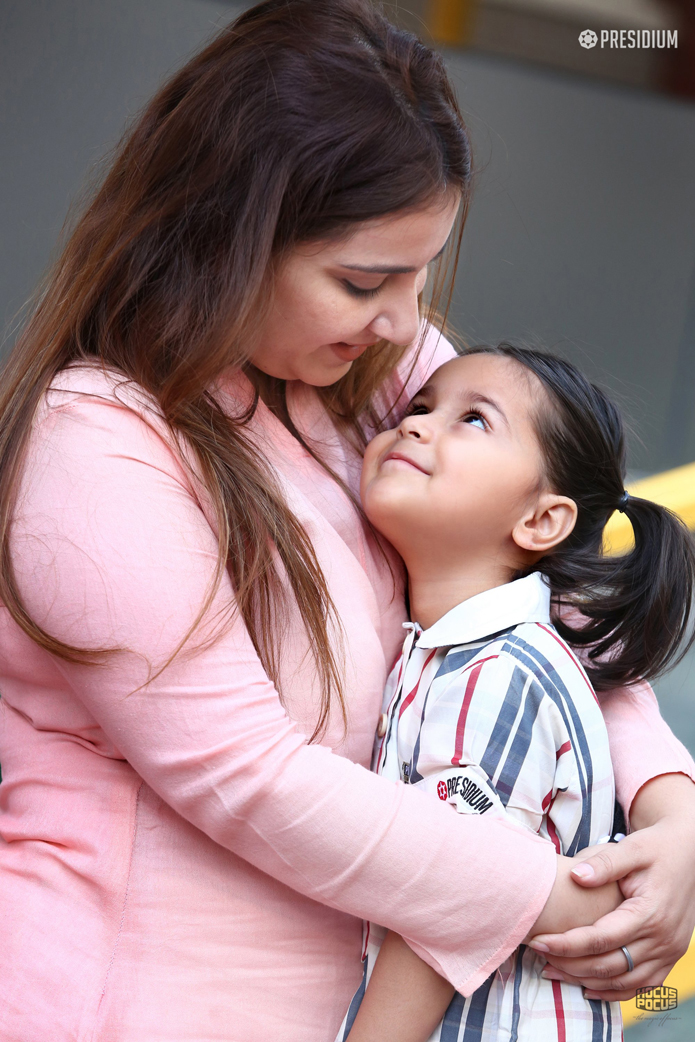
[463, 467]
[333, 300]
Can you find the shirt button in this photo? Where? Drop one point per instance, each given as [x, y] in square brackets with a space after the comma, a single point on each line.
[381, 727]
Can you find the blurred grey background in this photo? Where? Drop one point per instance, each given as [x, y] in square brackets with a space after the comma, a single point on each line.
[581, 234]
[582, 231]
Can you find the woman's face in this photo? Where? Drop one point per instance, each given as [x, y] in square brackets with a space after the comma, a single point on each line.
[333, 300]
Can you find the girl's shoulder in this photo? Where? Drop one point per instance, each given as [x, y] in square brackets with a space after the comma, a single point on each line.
[539, 651]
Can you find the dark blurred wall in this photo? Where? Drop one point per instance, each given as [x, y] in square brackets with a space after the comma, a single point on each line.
[581, 233]
[71, 73]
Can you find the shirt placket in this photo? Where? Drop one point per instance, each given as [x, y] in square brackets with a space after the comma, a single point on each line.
[390, 746]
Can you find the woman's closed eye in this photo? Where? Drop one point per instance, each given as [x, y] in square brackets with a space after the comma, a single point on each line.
[357, 291]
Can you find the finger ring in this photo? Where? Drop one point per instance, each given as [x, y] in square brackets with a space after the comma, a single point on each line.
[630, 963]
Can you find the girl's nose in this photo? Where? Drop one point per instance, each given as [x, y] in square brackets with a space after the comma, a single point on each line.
[417, 427]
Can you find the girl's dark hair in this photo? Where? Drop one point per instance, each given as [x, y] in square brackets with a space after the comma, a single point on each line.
[635, 608]
[298, 121]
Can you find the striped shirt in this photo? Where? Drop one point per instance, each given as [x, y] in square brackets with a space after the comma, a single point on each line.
[490, 711]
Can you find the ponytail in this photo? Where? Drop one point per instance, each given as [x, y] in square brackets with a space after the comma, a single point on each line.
[631, 613]
[636, 608]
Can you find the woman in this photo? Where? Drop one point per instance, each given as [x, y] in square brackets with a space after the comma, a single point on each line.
[190, 588]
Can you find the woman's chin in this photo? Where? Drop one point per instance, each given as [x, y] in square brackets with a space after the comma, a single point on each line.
[325, 375]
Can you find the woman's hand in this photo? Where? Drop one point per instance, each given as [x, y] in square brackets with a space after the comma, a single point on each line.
[655, 868]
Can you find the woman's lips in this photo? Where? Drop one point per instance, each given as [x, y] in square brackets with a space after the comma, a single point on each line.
[349, 352]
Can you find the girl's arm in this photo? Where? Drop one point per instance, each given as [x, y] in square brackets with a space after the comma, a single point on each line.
[570, 905]
[406, 999]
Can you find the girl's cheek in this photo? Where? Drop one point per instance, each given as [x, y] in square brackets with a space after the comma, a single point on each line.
[367, 465]
[379, 443]
[374, 449]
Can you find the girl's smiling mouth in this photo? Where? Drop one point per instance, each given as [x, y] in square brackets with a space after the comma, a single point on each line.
[398, 456]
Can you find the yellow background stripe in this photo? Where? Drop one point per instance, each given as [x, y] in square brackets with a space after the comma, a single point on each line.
[674, 489]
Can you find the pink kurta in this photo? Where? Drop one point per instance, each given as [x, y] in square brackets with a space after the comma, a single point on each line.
[176, 862]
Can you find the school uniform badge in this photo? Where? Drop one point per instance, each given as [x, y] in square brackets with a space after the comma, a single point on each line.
[467, 788]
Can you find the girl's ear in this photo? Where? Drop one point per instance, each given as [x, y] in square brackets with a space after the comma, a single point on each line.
[544, 526]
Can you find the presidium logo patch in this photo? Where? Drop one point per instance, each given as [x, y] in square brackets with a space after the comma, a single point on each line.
[467, 788]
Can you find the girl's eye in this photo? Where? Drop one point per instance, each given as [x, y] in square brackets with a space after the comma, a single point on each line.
[475, 419]
[356, 291]
[417, 410]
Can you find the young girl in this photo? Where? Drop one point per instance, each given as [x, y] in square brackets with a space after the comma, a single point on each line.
[495, 489]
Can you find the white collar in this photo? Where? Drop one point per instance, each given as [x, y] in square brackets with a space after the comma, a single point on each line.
[502, 608]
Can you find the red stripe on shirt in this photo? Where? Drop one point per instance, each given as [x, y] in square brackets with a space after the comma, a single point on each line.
[409, 698]
[366, 940]
[554, 836]
[572, 656]
[406, 702]
[559, 1011]
[461, 725]
[564, 748]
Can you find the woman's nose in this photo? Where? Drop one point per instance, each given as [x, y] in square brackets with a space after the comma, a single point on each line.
[399, 321]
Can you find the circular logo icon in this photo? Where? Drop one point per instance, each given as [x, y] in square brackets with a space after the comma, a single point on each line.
[588, 38]
[441, 790]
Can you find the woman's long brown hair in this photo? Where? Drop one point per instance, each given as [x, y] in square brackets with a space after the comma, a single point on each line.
[298, 120]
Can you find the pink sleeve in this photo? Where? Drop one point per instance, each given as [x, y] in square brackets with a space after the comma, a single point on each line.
[642, 744]
[434, 351]
[111, 549]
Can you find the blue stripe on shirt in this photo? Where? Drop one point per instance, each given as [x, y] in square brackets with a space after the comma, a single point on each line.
[504, 723]
[549, 679]
[514, 761]
[451, 1024]
[477, 1005]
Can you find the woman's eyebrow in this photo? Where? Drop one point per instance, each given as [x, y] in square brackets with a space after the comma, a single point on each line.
[379, 269]
[388, 269]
